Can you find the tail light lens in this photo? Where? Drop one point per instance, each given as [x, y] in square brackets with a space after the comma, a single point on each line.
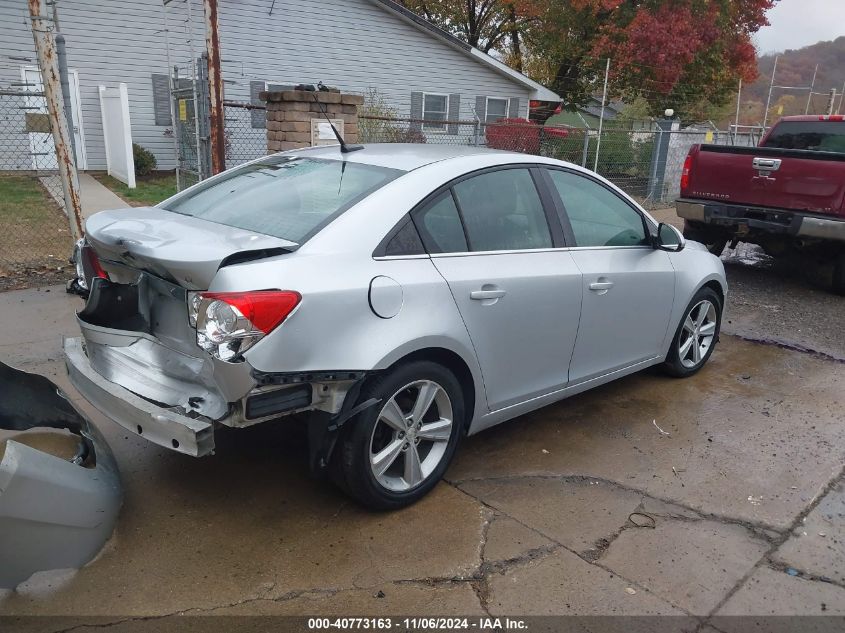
[87, 264]
[685, 174]
[229, 323]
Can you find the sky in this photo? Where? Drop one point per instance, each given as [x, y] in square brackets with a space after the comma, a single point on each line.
[798, 23]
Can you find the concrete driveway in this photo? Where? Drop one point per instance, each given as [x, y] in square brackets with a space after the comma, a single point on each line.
[717, 495]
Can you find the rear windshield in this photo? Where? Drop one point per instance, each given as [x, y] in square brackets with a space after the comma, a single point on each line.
[289, 197]
[819, 136]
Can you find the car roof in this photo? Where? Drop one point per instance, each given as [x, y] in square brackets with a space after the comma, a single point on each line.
[403, 156]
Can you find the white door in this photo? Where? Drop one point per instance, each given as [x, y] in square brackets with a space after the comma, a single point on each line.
[41, 143]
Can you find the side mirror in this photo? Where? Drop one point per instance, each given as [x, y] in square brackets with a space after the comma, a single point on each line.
[669, 238]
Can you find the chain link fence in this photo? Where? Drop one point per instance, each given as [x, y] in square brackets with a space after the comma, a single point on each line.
[245, 133]
[35, 240]
[646, 164]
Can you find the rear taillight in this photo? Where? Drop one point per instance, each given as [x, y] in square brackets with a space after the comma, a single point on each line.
[229, 323]
[88, 265]
[685, 174]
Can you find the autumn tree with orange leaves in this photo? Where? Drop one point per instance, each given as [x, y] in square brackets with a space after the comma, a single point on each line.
[685, 54]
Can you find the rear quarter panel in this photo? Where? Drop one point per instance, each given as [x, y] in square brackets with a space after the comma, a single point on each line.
[334, 327]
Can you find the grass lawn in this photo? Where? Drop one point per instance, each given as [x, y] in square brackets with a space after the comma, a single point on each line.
[35, 231]
[150, 189]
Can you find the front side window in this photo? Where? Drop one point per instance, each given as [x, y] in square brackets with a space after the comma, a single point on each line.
[434, 112]
[502, 211]
[496, 109]
[598, 216]
[289, 197]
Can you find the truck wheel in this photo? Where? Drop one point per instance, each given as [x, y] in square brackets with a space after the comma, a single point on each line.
[696, 336]
[839, 274]
[715, 241]
[394, 453]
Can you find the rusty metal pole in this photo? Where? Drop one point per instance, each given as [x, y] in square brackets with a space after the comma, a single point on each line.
[215, 88]
[45, 49]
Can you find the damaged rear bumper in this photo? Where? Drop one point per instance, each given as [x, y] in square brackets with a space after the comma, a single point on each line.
[57, 509]
[163, 426]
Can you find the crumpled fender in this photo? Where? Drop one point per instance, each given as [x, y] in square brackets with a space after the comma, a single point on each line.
[56, 512]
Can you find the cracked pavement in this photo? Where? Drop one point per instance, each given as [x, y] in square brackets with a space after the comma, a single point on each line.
[583, 508]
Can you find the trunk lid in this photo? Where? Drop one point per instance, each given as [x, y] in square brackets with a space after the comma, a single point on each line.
[178, 248]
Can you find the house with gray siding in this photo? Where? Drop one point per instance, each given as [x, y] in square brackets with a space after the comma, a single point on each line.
[355, 45]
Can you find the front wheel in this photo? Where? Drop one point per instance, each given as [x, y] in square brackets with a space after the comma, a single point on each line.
[394, 453]
[696, 336]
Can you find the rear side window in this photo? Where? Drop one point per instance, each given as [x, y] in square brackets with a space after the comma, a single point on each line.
[819, 136]
[502, 211]
[440, 225]
[289, 197]
[405, 241]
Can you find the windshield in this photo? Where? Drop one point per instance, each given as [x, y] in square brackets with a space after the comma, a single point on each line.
[289, 197]
[819, 136]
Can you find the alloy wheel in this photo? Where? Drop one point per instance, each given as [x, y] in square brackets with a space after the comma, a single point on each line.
[697, 334]
[411, 435]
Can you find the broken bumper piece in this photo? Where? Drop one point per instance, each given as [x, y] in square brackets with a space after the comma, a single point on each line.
[160, 425]
[59, 484]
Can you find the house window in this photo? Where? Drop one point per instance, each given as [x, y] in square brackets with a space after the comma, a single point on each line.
[435, 108]
[496, 109]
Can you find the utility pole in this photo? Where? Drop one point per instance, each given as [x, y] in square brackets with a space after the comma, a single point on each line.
[812, 87]
[832, 101]
[601, 118]
[215, 88]
[769, 100]
[45, 50]
[61, 57]
[738, 101]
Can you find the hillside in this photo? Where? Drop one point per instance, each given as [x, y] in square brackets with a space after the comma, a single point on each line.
[795, 68]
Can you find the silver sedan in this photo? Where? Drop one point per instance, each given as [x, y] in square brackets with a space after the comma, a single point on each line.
[402, 295]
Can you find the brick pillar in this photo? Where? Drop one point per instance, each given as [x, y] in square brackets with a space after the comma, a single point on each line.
[289, 115]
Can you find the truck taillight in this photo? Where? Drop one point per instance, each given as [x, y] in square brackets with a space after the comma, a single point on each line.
[229, 323]
[685, 174]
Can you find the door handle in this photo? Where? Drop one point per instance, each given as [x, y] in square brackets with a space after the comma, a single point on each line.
[481, 295]
[766, 164]
[601, 286]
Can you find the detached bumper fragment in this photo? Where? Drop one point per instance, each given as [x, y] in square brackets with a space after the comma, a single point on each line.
[60, 489]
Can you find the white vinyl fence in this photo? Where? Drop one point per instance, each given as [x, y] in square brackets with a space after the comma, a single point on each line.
[117, 133]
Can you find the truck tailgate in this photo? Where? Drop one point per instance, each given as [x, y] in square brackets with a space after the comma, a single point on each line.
[795, 180]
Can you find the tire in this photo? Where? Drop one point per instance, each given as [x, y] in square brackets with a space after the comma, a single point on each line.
[376, 431]
[839, 274]
[715, 241]
[683, 360]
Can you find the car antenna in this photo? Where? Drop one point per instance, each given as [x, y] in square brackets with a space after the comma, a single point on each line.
[344, 148]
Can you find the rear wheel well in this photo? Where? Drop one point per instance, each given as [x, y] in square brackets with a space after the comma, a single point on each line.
[454, 363]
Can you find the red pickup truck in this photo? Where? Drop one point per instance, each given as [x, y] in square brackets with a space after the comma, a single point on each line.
[787, 194]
